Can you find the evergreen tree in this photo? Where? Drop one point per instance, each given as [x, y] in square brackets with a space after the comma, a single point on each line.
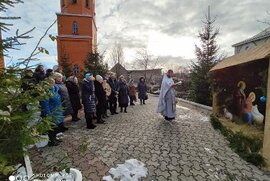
[94, 64]
[65, 65]
[207, 57]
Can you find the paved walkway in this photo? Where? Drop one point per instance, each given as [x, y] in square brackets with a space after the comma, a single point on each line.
[186, 149]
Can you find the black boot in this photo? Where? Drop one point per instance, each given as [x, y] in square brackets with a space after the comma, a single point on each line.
[74, 117]
[121, 109]
[125, 110]
[89, 123]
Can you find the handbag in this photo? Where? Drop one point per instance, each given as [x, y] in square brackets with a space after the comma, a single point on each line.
[146, 97]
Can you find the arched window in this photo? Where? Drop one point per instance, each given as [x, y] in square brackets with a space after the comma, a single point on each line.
[74, 1]
[87, 3]
[75, 27]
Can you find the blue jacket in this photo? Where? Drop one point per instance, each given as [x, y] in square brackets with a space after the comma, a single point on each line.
[53, 107]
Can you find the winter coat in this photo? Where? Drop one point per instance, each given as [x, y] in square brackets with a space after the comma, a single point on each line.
[28, 83]
[74, 95]
[88, 96]
[107, 88]
[39, 76]
[101, 96]
[123, 94]
[142, 89]
[114, 84]
[53, 107]
[132, 90]
[65, 98]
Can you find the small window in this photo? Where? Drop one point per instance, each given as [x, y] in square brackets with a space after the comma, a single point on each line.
[63, 3]
[75, 27]
[87, 3]
[74, 1]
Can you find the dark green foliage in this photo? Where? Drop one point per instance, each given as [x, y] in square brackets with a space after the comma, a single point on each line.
[20, 125]
[207, 57]
[17, 128]
[246, 147]
[65, 65]
[94, 64]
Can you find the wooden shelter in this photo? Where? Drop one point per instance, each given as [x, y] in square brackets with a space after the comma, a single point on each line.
[246, 66]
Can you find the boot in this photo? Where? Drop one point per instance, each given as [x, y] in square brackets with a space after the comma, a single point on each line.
[121, 110]
[89, 124]
[100, 121]
[125, 110]
[74, 118]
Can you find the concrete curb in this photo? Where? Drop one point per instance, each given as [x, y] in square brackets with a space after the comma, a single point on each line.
[208, 108]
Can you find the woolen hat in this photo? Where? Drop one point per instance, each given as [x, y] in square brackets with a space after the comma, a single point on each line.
[99, 78]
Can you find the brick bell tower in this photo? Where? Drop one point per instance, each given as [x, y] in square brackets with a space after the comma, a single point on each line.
[77, 31]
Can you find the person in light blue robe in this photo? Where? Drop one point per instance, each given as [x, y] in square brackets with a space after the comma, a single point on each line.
[167, 103]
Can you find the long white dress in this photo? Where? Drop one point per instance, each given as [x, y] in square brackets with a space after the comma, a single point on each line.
[166, 103]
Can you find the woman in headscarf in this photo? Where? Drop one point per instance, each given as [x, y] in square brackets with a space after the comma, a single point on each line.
[101, 98]
[123, 94]
[132, 92]
[142, 90]
[64, 96]
[74, 96]
[89, 99]
[108, 90]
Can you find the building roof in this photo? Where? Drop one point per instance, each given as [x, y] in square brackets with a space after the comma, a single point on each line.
[264, 34]
[260, 52]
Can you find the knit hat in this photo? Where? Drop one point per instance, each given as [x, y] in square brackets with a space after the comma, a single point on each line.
[87, 75]
[99, 78]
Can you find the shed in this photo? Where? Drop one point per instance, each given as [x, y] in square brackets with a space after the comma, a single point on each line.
[247, 67]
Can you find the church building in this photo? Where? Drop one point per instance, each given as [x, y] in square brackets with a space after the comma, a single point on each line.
[77, 31]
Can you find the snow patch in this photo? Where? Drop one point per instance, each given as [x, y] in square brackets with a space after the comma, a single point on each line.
[185, 116]
[182, 107]
[205, 119]
[209, 150]
[131, 170]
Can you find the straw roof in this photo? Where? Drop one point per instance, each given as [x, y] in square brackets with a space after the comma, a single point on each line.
[260, 52]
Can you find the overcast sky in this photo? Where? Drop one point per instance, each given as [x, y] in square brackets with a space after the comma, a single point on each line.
[166, 28]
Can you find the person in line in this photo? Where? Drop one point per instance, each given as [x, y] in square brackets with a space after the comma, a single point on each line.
[53, 107]
[64, 97]
[49, 73]
[142, 90]
[108, 90]
[167, 103]
[28, 84]
[74, 95]
[123, 94]
[113, 97]
[89, 100]
[101, 98]
[132, 92]
[39, 74]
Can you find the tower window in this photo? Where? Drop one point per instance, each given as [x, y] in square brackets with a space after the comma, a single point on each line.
[63, 3]
[74, 1]
[87, 3]
[75, 27]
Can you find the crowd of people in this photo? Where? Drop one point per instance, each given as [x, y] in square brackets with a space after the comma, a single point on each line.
[96, 95]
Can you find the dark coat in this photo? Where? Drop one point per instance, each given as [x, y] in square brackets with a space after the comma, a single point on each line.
[101, 96]
[65, 99]
[39, 76]
[74, 95]
[142, 89]
[88, 96]
[28, 83]
[123, 94]
[114, 84]
[53, 107]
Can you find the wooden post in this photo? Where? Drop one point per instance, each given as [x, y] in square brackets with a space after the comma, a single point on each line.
[266, 140]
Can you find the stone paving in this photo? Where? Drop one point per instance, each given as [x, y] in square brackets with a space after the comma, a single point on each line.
[185, 149]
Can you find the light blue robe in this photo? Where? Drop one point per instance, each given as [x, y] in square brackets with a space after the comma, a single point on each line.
[166, 103]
